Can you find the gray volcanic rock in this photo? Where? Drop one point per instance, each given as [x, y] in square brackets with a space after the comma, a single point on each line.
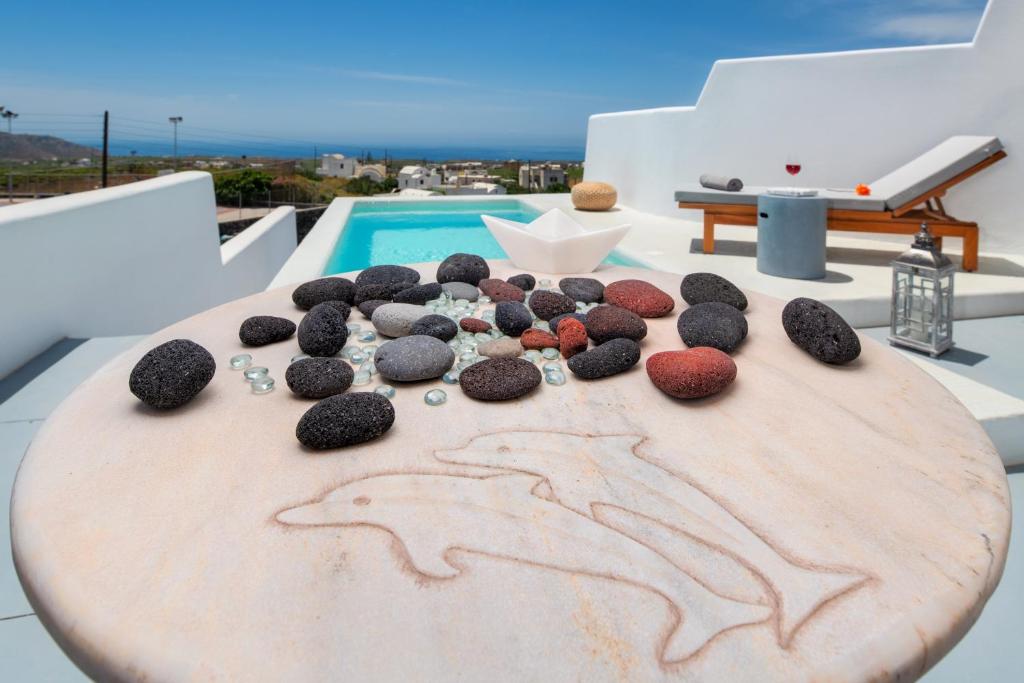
[820, 331]
[387, 275]
[345, 420]
[418, 294]
[385, 291]
[523, 281]
[713, 324]
[170, 375]
[413, 358]
[314, 292]
[461, 290]
[396, 320]
[553, 323]
[318, 377]
[499, 379]
[368, 307]
[438, 326]
[605, 323]
[610, 358]
[503, 347]
[322, 331]
[701, 288]
[463, 268]
[512, 318]
[261, 330]
[546, 305]
[585, 289]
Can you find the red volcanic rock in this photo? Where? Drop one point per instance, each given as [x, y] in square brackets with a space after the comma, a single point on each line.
[572, 337]
[693, 373]
[538, 339]
[643, 298]
[499, 290]
[474, 325]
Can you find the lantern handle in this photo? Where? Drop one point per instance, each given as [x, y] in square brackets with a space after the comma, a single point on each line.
[923, 239]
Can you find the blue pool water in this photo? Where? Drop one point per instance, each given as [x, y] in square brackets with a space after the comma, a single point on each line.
[409, 232]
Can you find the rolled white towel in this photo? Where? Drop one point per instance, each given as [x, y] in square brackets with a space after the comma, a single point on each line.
[721, 182]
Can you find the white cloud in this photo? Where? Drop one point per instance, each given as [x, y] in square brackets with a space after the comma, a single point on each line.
[401, 78]
[931, 27]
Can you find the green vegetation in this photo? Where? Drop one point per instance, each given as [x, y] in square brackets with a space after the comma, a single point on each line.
[248, 184]
[557, 188]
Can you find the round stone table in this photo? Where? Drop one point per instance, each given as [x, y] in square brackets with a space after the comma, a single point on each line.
[809, 523]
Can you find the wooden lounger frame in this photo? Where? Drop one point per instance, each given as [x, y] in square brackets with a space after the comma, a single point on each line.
[904, 220]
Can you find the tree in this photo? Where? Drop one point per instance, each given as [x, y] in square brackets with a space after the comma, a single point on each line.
[246, 185]
[557, 187]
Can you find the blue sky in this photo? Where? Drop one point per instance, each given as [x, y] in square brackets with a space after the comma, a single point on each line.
[466, 72]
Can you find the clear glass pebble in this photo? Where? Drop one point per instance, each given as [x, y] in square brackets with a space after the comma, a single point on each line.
[581, 306]
[496, 333]
[555, 377]
[467, 355]
[463, 364]
[354, 327]
[435, 397]
[544, 283]
[362, 377]
[367, 336]
[462, 303]
[370, 349]
[253, 374]
[483, 300]
[482, 337]
[550, 353]
[348, 351]
[542, 325]
[357, 357]
[533, 355]
[296, 359]
[262, 385]
[451, 377]
[552, 366]
[385, 390]
[369, 367]
[241, 361]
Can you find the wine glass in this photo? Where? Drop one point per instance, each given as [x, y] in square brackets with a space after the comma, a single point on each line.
[793, 164]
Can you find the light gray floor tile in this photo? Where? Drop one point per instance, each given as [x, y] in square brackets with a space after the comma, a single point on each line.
[27, 653]
[37, 399]
[14, 439]
[990, 652]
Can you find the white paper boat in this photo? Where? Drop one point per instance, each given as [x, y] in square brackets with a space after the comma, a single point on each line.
[554, 243]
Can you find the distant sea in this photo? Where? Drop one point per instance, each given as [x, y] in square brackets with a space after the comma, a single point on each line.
[236, 148]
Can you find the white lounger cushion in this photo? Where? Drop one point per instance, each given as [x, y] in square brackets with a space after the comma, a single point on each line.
[931, 169]
[936, 166]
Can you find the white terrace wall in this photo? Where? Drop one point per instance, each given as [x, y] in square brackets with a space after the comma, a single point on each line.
[851, 117]
[125, 260]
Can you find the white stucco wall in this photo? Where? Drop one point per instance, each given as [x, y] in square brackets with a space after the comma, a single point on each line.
[125, 260]
[851, 117]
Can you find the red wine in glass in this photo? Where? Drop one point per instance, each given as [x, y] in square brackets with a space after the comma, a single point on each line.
[793, 167]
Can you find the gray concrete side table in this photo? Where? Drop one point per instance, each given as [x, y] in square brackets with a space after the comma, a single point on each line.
[791, 236]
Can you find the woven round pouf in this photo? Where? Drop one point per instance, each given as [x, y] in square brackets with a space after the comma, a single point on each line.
[593, 196]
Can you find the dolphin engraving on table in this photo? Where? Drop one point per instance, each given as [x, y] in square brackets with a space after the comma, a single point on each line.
[586, 473]
[500, 516]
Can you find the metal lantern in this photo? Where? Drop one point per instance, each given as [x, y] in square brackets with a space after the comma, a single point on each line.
[922, 297]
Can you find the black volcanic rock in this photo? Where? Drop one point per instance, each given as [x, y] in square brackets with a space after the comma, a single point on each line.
[512, 318]
[546, 305]
[605, 323]
[713, 324]
[319, 377]
[499, 379]
[820, 331]
[261, 330]
[438, 326]
[387, 275]
[523, 281]
[585, 289]
[418, 294]
[368, 307]
[322, 332]
[610, 358]
[345, 420]
[463, 268]
[340, 306]
[314, 292]
[702, 288]
[384, 291]
[170, 375]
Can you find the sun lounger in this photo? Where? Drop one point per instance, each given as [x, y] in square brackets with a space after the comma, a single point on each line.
[898, 203]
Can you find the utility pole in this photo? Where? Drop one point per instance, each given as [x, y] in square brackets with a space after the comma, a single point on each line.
[175, 120]
[106, 145]
[314, 158]
[10, 116]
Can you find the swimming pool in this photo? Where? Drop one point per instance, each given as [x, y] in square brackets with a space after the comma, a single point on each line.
[409, 232]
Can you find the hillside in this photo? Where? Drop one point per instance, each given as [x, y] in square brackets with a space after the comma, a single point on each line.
[40, 148]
